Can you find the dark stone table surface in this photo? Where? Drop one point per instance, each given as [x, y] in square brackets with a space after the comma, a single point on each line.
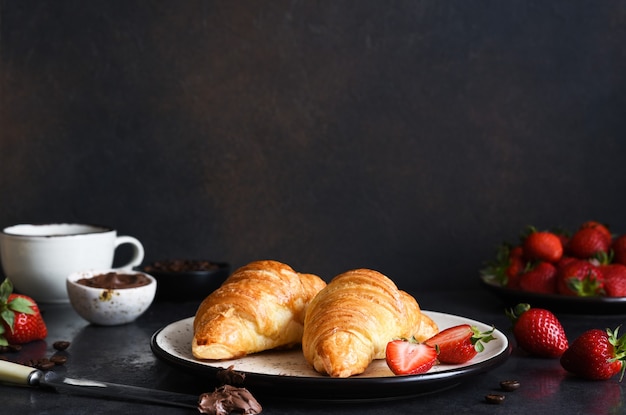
[123, 354]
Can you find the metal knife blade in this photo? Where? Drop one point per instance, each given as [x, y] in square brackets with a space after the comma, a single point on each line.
[24, 375]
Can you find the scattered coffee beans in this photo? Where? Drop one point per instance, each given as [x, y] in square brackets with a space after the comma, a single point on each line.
[494, 398]
[43, 363]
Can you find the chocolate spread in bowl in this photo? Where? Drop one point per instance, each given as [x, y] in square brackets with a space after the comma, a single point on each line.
[115, 281]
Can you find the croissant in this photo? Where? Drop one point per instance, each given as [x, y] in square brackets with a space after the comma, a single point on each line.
[349, 323]
[260, 306]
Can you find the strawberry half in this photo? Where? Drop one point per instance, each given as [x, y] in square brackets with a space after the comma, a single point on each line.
[406, 357]
[20, 318]
[459, 344]
[596, 354]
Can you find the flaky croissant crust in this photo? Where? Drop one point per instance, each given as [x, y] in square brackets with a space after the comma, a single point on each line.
[349, 323]
[260, 306]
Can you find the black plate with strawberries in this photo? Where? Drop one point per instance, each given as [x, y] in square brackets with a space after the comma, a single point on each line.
[583, 272]
[557, 302]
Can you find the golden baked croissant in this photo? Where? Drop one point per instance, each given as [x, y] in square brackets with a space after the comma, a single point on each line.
[260, 306]
[349, 323]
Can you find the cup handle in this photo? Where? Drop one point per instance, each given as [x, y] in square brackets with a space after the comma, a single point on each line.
[138, 251]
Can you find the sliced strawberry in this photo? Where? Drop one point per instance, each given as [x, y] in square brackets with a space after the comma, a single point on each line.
[406, 357]
[459, 344]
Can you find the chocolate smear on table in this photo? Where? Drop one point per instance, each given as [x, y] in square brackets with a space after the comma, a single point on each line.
[228, 399]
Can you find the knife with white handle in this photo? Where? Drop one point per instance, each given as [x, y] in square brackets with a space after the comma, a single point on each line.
[16, 374]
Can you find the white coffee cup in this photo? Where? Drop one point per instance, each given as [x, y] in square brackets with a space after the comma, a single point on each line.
[37, 258]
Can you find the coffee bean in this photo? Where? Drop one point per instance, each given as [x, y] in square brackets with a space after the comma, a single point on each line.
[494, 398]
[61, 345]
[44, 364]
[10, 348]
[509, 385]
[58, 359]
[14, 347]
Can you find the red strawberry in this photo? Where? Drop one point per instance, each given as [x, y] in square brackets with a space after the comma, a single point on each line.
[460, 343]
[20, 317]
[409, 357]
[516, 262]
[538, 331]
[619, 249]
[614, 280]
[506, 267]
[539, 279]
[587, 243]
[579, 278]
[599, 226]
[564, 261]
[596, 354]
[543, 246]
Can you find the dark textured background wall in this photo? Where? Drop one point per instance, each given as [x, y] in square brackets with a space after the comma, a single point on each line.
[406, 136]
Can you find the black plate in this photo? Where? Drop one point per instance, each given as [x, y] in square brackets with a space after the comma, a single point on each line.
[285, 373]
[557, 302]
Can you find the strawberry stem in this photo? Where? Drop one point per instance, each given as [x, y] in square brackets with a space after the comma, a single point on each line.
[619, 345]
[514, 313]
[479, 338]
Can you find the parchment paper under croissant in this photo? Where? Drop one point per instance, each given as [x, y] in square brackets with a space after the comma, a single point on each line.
[349, 323]
[260, 306]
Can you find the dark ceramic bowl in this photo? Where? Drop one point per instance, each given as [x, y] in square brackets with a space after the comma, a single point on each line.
[186, 280]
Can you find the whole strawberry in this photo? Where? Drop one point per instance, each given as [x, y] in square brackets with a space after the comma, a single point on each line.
[540, 278]
[506, 267]
[20, 318]
[542, 246]
[619, 249]
[579, 277]
[599, 226]
[538, 331]
[614, 280]
[588, 242]
[515, 266]
[596, 354]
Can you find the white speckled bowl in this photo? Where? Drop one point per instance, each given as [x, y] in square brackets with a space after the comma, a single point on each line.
[109, 307]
